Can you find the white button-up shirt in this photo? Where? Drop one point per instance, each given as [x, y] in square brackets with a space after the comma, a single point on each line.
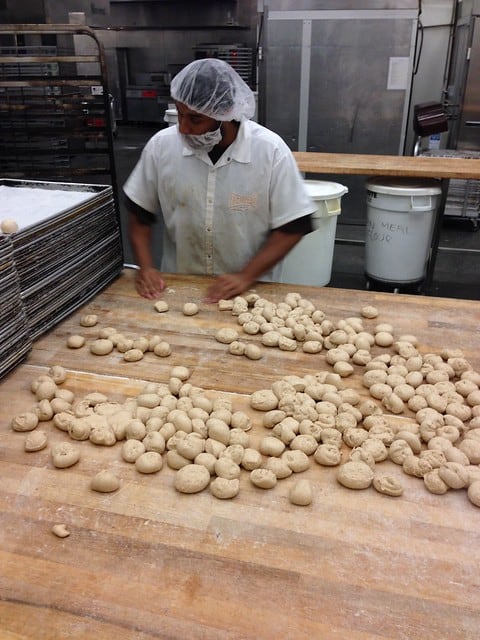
[217, 216]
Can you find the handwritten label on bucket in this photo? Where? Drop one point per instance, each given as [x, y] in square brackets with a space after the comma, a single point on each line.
[385, 231]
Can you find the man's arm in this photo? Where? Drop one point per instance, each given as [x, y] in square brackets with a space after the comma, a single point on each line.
[148, 282]
[276, 247]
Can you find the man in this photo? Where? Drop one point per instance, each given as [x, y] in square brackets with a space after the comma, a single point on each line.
[229, 190]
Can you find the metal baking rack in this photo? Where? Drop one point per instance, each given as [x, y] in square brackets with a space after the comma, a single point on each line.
[463, 198]
[56, 121]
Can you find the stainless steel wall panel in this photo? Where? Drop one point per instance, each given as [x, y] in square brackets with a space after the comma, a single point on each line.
[351, 108]
[280, 78]
[326, 81]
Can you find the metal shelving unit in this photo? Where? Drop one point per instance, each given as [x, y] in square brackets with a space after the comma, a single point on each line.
[463, 198]
[55, 108]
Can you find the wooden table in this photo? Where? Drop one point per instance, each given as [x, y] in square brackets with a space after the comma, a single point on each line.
[147, 562]
[382, 165]
[399, 166]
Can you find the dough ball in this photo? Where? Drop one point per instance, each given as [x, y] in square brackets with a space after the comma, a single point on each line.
[57, 373]
[44, 410]
[132, 449]
[154, 441]
[355, 475]
[8, 226]
[327, 455]
[474, 493]
[105, 482]
[263, 400]
[225, 467]
[271, 338]
[190, 446]
[65, 455]
[133, 355]
[251, 327]
[60, 530]
[161, 306]
[142, 343]
[279, 467]
[162, 349]
[149, 462]
[101, 347]
[383, 339]
[263, 478]
[471, 448]
[46, 389]
[454, 474]
[192, 478]
[75, 342]
[271, 446]
[434, 483]
[190, 309]
[36, 441]
[236, 348]
[180, 372]
[388, 485]
[297, 460]
[240, 420]
[252, 459]
[207, 460]
[369, 311]
[253, 352]
[89, 320]
[304, 442]
[27, 421]
[301, 493]
[312, 346]
[225, 305]
[226, 335]
[225, 488]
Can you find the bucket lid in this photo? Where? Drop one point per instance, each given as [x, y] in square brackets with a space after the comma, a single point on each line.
[323, 190]
[397, 186]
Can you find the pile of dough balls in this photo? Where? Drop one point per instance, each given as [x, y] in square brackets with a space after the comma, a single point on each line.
[419, 410]
[109, 339]
[295, 323]
[436, 437]
[204, 440]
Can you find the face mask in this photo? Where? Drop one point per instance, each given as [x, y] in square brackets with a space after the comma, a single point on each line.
[204, 141]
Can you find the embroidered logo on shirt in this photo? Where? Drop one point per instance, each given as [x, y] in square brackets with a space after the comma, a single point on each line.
[243, 203]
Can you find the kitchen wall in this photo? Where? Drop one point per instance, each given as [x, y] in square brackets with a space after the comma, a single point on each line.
[153, 35]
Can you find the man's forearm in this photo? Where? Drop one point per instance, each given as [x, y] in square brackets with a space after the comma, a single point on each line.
[276, 247]
[140, 236]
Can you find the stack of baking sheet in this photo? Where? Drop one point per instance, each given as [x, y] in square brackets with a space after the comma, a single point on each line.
[14, 337]
[67, 248]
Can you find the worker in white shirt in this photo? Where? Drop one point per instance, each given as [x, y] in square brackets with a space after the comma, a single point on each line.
[229, 191]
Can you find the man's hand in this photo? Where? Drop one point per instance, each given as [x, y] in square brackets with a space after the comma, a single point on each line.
[149, 283]
[227, 286]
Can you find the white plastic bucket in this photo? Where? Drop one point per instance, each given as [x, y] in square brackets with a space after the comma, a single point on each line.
[171, 117]
[310, 261]
[400, 221]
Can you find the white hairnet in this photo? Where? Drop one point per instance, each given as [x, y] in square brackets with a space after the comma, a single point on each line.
[213, 88]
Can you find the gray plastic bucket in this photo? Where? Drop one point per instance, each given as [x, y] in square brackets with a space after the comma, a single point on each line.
[400, 221]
